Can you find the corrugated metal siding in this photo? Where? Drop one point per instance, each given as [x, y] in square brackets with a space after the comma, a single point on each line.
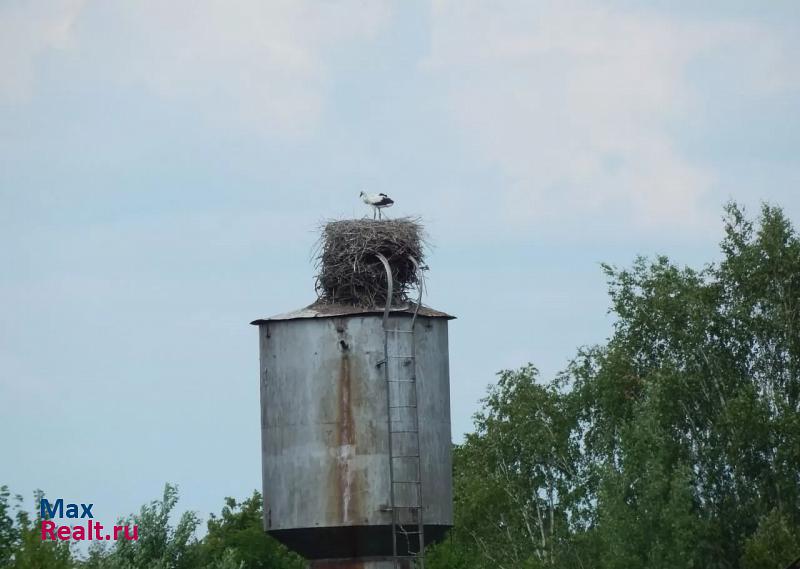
[324, 424]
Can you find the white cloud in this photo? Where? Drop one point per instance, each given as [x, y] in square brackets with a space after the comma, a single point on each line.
[263, 63]
[28, 30]
[578, 104]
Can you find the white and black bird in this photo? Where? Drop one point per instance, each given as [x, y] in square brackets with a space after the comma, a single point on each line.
[377, 202]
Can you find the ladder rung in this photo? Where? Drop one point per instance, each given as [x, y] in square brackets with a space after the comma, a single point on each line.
[411, 532]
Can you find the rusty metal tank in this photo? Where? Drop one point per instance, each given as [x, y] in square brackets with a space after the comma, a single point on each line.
[325, 435]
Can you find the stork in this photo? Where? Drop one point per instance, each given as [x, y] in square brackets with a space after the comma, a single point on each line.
[377, 202]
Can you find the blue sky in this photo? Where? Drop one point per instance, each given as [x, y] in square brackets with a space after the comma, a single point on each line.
[164, 166]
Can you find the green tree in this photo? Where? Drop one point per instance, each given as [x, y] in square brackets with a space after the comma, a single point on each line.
[235, 540]
[674, 444]
[774, 545]
[515, 480]
[32, 552]
[237, 534]
[9, 533]
[159, 544]
[697, 387]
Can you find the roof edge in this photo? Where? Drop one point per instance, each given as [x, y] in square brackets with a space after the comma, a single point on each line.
[324, 310]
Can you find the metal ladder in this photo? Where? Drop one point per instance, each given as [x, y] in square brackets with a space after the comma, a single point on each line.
[405, 468]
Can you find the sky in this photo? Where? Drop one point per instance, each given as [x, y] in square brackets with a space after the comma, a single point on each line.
[164, 167]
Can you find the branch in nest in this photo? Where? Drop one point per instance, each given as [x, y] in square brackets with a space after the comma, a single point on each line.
[348, 270]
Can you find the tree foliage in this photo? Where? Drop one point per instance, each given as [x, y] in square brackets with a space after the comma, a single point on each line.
[235, 540]
[238, 533]
[21, 545]
[159, 544]
[674, 444]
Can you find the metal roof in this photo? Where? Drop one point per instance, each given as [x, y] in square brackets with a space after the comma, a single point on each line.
[324, 310]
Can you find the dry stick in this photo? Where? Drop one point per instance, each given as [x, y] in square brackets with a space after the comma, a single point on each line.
[345, 259]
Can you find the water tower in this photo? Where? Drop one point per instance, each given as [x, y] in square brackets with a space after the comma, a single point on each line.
[355, 424]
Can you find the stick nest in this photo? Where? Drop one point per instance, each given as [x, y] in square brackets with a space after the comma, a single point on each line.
[348, 270]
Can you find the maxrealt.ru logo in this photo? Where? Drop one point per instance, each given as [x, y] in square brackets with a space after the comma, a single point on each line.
[81, 531]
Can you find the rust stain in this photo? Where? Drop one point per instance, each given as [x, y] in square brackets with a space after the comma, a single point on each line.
[345, 480]
[346, 440]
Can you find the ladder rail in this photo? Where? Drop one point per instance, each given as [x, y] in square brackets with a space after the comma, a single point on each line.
[420, 500]
[389, 294]
[399, 526]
